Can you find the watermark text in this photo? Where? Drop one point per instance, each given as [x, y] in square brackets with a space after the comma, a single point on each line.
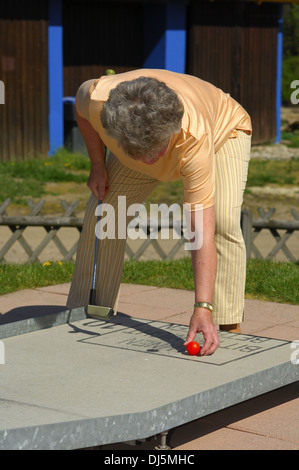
[295, 353]
[113, 223]
[295, 94]
[2, 353]
[2, 92]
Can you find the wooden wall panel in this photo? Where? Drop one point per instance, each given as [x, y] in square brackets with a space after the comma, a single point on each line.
[24, 71]
[234, 46]
[100, 35]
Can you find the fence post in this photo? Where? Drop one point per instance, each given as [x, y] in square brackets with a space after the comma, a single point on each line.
[246, 226]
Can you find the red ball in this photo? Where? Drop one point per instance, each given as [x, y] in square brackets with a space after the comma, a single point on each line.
[193, 348]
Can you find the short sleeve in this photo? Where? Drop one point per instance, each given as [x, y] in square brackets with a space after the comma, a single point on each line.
[83, 99]
[197, 170]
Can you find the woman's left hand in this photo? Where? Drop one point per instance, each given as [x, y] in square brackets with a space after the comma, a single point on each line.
[202, 322]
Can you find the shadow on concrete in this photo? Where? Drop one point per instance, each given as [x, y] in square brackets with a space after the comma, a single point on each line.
[30, 311]
[144, 326]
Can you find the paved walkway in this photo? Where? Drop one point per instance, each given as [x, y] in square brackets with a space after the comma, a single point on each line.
[263, 423]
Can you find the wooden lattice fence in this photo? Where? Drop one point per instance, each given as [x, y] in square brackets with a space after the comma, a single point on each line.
[280, 230]
[51, 225]
[252, 227]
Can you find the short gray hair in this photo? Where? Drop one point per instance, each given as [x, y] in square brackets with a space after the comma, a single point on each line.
[142, 115]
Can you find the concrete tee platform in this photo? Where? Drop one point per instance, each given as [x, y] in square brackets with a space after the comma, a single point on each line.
[71, 382]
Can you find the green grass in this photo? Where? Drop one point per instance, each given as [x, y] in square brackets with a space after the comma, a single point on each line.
[280, 172]
[176, 274]
[292, 138]
[275, 281]
[22, 179]
[266, 280]
[15, 277]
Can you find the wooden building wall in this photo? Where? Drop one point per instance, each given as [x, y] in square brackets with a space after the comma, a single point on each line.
[24, 71]
[97, 36]
[233, 45]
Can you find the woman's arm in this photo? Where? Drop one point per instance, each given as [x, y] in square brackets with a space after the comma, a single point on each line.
[98, 180]
[204, 261]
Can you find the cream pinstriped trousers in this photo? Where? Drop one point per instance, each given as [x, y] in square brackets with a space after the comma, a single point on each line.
[231, 165]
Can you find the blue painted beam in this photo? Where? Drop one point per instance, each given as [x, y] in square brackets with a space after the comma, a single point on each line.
[154, 23]
[175, 44]
[279, 76]
[165, 36]
[55, 76]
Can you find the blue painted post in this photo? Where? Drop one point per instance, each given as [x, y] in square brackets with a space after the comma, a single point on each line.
[279, 76]
[55, 76]
[165, 36]
[175, 53]
[154, 36]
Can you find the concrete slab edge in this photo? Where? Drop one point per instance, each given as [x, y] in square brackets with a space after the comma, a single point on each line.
[90, 432]
[30, 325]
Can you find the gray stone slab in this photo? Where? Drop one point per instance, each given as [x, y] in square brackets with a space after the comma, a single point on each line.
[90, 382]
[36, 323]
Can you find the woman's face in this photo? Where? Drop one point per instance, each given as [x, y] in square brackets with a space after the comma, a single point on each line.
[153, 159]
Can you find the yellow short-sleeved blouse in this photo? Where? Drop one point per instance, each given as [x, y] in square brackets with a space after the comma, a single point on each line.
[210, 118]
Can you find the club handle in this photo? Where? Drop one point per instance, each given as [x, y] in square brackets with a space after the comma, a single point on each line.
[92, 297]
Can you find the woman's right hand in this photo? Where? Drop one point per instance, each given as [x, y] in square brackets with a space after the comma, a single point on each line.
[98, 181]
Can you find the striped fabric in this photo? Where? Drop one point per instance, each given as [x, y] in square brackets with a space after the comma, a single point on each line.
[231, 164]
[110, 254]
[231, 174]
